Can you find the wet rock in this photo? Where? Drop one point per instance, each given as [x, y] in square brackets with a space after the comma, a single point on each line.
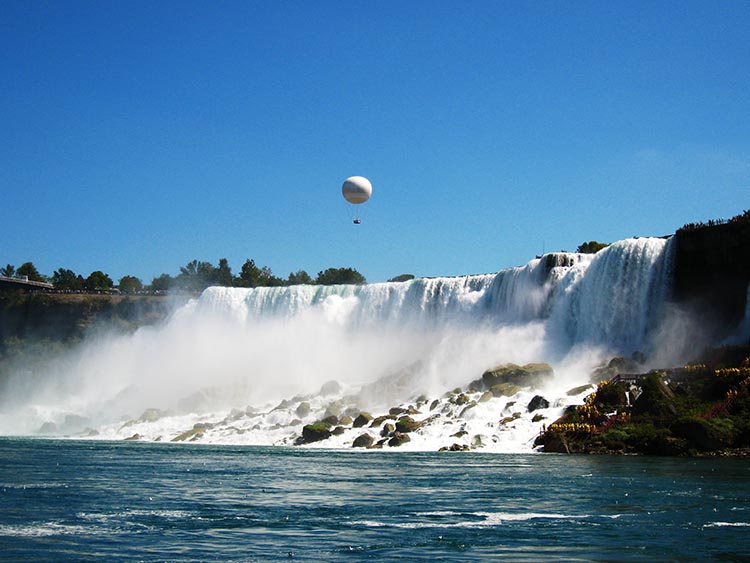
[509, 419]
[407, 424]
[528, 375]
[363, 441]
[285, 404]
[455, 448]
[538, 402]
[338, 431]
[504, 390]
[333, 409]
[235, 414]
[363, 419]
[330, 420]
[381, 419]
[192, 434]
[151, 415]
[486, 397]
[396, 411]
[578, 390]
[303, 409]
[460, 399]
[352, 412]
[133, 437]
[346, 420]
[468, 407]
[330, 388]
[388, 429]
[459, 434]
[434, 404]
[315, 432]
[538, 418]
[398, 439]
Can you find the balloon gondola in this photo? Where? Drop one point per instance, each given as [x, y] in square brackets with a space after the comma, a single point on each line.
[356, 190]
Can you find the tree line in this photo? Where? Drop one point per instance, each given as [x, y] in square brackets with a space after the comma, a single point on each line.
[194, 276]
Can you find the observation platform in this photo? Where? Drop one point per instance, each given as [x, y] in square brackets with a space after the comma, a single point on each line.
[23, 283]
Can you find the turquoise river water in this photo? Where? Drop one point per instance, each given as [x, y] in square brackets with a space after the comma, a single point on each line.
[64, 500]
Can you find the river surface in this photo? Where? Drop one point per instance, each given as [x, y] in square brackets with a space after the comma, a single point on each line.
[64, 500]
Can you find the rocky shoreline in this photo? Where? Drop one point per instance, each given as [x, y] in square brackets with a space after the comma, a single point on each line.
[698, 410]
[701, 409]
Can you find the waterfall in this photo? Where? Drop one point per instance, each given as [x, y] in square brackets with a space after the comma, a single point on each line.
[233, 353]
[612, 298]
[617, 299]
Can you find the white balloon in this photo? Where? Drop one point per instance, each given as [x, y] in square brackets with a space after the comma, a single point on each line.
[356, 189]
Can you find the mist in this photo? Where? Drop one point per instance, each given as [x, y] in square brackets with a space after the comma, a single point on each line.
[240, 350]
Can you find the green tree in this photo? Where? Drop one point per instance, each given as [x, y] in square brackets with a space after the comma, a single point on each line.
[249, 275]
[67, 280]
[268, 279]
[162, 283]
[253, 276]
[195, 276]
[28, 269]
[591, 247]
[402, 278]
[8, 271]
[334, 276]
[130, 284]
[300, 277]
[223, 274]
[98, 281]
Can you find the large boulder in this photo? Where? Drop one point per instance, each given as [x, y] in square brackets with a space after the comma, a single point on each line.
[333, 409]
[407, 424]
[330, 420]
[363, 419]
[578, 390]
[504, 390]
[303, 409]
[315, 432]
[538, 402]
[526, 376]
[363, 441]
[388, 429]
[398, 439]
[330, 388]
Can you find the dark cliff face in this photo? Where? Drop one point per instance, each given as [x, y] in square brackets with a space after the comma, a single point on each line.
[712, 272]
[65, 317]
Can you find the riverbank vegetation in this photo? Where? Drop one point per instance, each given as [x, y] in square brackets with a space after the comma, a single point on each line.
[195, 276]
[702, 408]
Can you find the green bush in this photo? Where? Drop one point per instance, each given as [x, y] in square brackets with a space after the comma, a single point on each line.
[615, 439]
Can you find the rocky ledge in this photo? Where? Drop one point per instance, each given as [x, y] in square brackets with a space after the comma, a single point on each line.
[700, 409]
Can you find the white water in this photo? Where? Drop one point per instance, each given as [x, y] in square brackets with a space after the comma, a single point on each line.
[385, 343]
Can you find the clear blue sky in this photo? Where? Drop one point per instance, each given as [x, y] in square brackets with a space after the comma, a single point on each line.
[136, 136]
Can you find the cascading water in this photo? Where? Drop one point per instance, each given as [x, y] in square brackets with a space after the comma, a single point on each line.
[240, 351]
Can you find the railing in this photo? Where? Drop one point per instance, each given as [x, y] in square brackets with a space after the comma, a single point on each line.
[26, 281]
[633, 378]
